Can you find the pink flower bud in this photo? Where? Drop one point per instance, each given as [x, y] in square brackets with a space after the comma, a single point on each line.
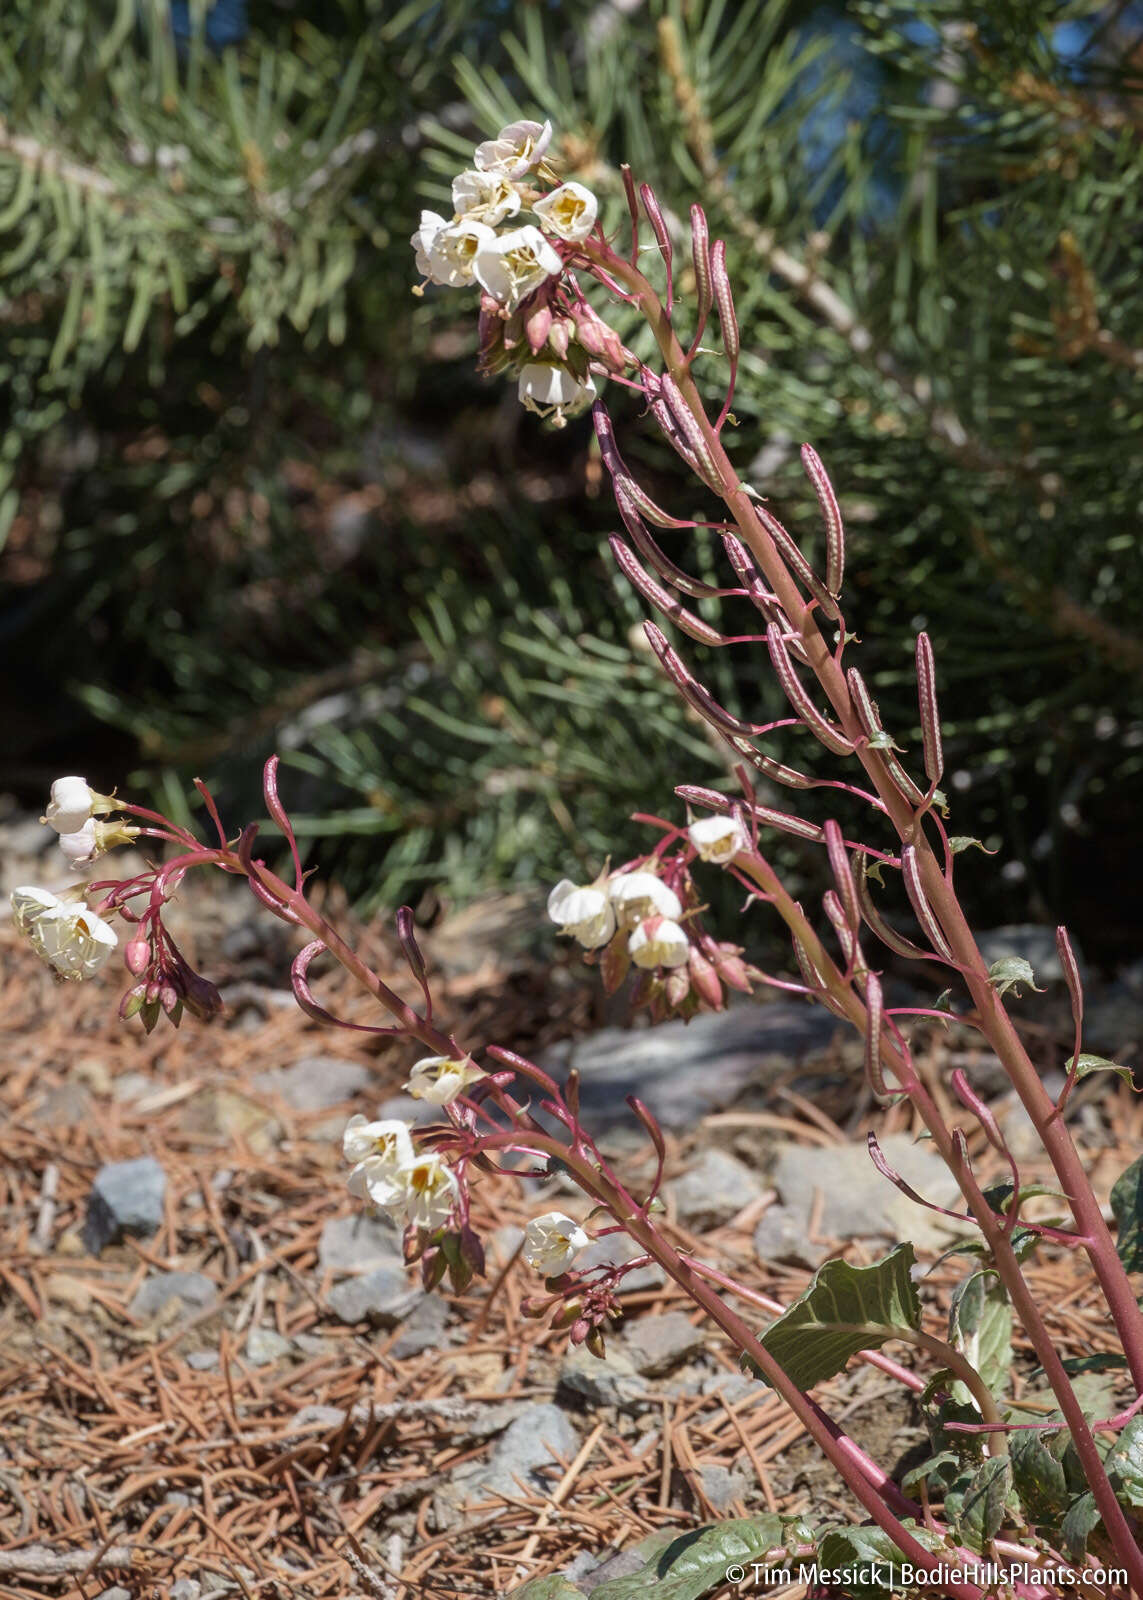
[615, 963]
[580, 1330]
[677, 986]
[132, 1002]
[537, 326]
[559, 337]
[705, 979]
[137, 955]
[733, 970]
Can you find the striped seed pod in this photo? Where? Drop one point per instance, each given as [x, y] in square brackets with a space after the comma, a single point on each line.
[657, 558]
[873, 919]
[797, 563]
[724, 300]
[659, 227]
[700, 251]
[831, 515]
[691, 690]
[922, 910]
[688, 426]
[842, 873]
[641, 580]
[930, 716]
[769, 768]
[795, 692]
[1071, 973]
[874, 1008]
[870, 719]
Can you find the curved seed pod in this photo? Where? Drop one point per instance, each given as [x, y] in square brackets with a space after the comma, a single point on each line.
[930, 716]
[650, 551]
[876, 922]
[700, 252]
[690, 688]
[617, 468]
[694, 626]
[724, 299]
[842, 874]
[659, 228]
[692, 434]
[769, 768]
[922, 910]
[874, 1007]
[810, 974]
[831, 516]
[824, 731]
[784, 821]
[835, 911]
[661, 412]
[870, 719]
[1071, 973]
[643, 502]
[797, 563]
[745, 570]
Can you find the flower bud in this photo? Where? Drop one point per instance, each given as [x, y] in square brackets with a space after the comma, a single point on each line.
[595, 1344]
[732, 969]
[571, 1312]
[580, 1330]
[132, 1002]
[614, 964]
[137, 955]
[705, 979]
[559, 337]
[677, 987]
[537, 326]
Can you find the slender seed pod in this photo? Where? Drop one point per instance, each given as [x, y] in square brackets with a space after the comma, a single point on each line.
[746, 571]
[617, 468]
[874, 1007]
[870, 719]
[690, 688]
[688, 425]
[769, 768]
[783, 821]
[823, 731]
[724, 299]
[922, 910]
[653, 513]
[650, 551]
[842, 873]
[701, 468]
[1071, 973]
[658, 224]
[831, 515]
[700, 251]
[835, 911]
[797, 563]
[633, 210]
[876, 922]
[659, 598]
[810, 974]
[968, 1097]
[930, 716]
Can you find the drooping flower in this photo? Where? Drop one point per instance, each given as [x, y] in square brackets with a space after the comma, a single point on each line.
[569, 212]
[585, 913]
[718, 839]
[453, 249]
[70, 938]
[552, 1242]
[636, 895]
[485, 197]
[546, 389]
[440, 1079]
[92, 840]
[379, 1151]
[431, 224]
[658, 942]
[511, 265]
[515, 150]
[430, 1191]
[73, 803]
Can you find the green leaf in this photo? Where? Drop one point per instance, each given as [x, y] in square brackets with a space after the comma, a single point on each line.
[863, 1560]
[883, 741]
[982, 1509]
[844, 1310]
[1124, 1463]
[1080, 1520]
[980, 1327]
[554, 1587]
[1008, 971]
[694, 1564]
[1089, 1064]
[916, 1476]
[965, 841]
[1038, 1475]
[1127, 1206]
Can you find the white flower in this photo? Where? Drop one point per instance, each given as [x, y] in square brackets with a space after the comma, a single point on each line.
[73, 803]
[69, 937]
[552, 1242]
[439, 1079]
[380, 1151]
[431, 224]
[430, 1191]
[636, 895]
[569, 212]
[81, 845]
[379, 1182]
[452, 251]
[584, 913]
[484, 197]
[515, 150]
[544, 389]
[658, 942]
[511, 265]
[717, 839]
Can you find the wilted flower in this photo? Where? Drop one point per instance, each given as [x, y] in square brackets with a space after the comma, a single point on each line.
[569, 212]
[636, 895]
[718, 839]
[511, 265]
[69, 937]
[484, 197]
[73, 803]
[430, 1191]
[515, 150]
[552, 1242]
[448, 254]
[545, 389]
[379, 1151]
[439, 1079]
[658, 942]
[85, 844]
[585, 913]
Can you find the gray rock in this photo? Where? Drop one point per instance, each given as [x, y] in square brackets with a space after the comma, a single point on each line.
[265, 1345]
[202, 1360]
[126, 1199]
[359, 1244]
[721, 1486]
[683, 1071]
[193, 1289]
[503, 1244]
[729, 1386]
[611, 1382]
[627, 1562]
[615, 1249]
[857, 1202]
[185, 1589]
[326, 1416]
[129, 1086]
[658, 1344]
[383, 1298]
[781, 1236]
[714, 1190]
[114, 1593]
[527, 1449]
[1113, 1021]
[403, 1108]
[426, 1328]
[315, 1083]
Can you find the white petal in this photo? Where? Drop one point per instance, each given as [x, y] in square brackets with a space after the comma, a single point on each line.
[658, 942]
[29, 903]
[80, 845]
[484, 197]
[544, 388]
[70, 806]
[388, 1141]
[717, 839]
[552, 1242]
[569, 212]
[636, 895]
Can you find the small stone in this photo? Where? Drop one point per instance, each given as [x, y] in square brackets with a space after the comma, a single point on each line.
[781, 1236]
[529, 1450]
[114, 1593]
[131, 1086]
[185, 1589]
[202, 1360]
[715, 1189]
[66, 1106]
[426, 1328]
[383, 1298]
[310, 1417]
[315, 1083]
[728, 1386]
[359, 1244]
[613, 1381]
[658, 1344]
[265, 1345]
[193, 1289]
[226, 1114]
[126, 1199]
[721, 1486]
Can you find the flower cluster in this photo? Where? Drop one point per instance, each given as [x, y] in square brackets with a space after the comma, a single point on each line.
[72, 811]
[412, 1187]
[63, 932]
[533, 318]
